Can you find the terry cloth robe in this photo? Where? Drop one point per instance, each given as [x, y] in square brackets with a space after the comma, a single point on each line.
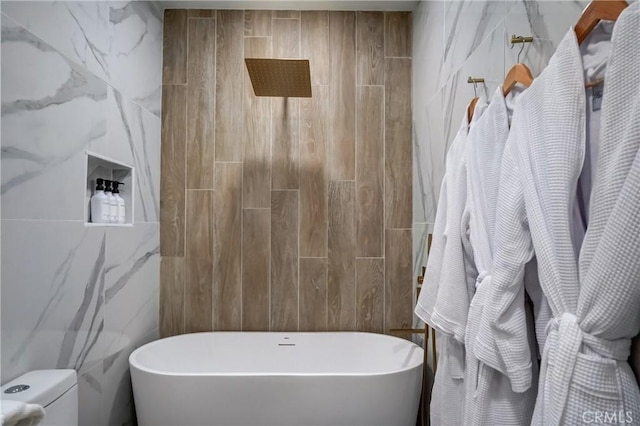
[489, 399]
[448, 382]
[570, 188]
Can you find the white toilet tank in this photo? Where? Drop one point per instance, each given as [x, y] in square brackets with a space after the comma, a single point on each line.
[55, 390]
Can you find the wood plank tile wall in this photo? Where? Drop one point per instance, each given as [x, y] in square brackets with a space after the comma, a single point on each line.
[286, 214]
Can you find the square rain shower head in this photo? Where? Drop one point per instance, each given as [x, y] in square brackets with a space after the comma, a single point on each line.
[287, 78]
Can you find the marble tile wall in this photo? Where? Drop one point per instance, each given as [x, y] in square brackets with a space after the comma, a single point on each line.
[79, 76]
[286, 214]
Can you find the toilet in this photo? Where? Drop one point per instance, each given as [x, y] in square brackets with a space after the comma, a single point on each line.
[55, 390]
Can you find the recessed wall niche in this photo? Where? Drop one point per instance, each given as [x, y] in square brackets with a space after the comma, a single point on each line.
[99, 166]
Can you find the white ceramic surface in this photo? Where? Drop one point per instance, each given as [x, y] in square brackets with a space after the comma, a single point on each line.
[260, 378]
[78, 77]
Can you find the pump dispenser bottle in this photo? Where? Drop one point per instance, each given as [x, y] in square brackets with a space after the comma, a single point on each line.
[113, 203]
[100, 207]
[119, 202]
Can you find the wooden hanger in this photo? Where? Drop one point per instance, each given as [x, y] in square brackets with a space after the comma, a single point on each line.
[519, 73]
[471, 108]
[474, 101]
[598, 10]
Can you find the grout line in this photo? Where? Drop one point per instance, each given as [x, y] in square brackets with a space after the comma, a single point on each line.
[384, 180]
[298, 167]
[56, 221]
[214, 213]
[269, 270]
[327, 173]
[215, 203]
[242, 139]
[269, 320]
[186, 193]
[271, 138]
[241, 245]
[298, 258]
[355, 170]
[384, 35]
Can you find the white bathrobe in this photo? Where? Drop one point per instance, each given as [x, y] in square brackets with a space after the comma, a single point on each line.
[457, 270]
[447, 397]
[489, 399]
[570, 189]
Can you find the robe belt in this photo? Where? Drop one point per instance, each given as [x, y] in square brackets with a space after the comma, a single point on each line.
[566, 338]
[481, 276]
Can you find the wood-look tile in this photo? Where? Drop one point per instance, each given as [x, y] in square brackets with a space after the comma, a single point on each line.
[398, 34]
[286, 14]
[172, 280]
[342, 84]
[370, 176]
[172, 169]
[285, 143]
[313, 294]
[227, 281]
[202, 13]
[341, 289]
[286, 38]
[285, 112]
[257, 23]
[308, 257]
[398, 149]
[398, 279]
[201, 94]
[256, 237]
[284, 260]
[257, 133]
[370, 43]
[313, 180]
[199, 261]
[314, 44]
[174, 51]
[229, 82]
[370, 295]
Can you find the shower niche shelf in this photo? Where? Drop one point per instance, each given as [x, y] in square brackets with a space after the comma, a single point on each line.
[99, 166]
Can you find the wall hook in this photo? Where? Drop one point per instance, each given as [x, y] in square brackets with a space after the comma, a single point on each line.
[475, 82]
[522, 40]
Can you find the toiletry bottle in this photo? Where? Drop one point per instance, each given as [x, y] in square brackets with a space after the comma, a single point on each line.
[119, 202]
[100, 207]
[113, 203]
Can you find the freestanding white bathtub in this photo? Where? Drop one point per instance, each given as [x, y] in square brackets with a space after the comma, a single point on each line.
[283, 379]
